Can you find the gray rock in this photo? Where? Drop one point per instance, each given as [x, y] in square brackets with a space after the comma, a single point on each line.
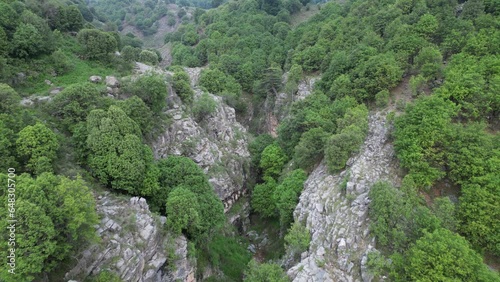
[112, 82]
[48, 82]
[95, 79]
[251, 248]
[26, 102]
[133, 245]
[43, 99]
[218, 145]
[340, 230]
[56, 90]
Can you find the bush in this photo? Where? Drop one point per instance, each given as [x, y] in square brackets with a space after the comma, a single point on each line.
[263, 200]
[382, 98]
[443, 255]
[36, 142]
[182, 211]
[297, 239]
[272, 161]
[229, 255]
[148, 57]
[268, 272]
[204, 106]
[152, 89]
[61, 62]
[310, 149]
[182, 86]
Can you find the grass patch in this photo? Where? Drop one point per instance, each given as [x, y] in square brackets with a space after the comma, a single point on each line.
[81, 72]
[275, 247]
[229, 254]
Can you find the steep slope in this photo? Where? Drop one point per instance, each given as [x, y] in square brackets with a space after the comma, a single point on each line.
[217, 143]
[134, 245]
[335, 210]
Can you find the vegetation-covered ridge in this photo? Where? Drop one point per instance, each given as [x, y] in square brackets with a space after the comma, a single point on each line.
[83, 140]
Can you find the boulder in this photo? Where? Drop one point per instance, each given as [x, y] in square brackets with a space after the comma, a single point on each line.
[112, 82]
[95, 79]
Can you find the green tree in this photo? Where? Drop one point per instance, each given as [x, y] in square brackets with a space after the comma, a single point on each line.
[117, 156]
[10, 100]
[310, 149]
[182, 211]
[182, 86]
[130, 54]
[445, 210]
[297, 239]
[419, 137]
[34, 247]
[75, 102]
[98, 44]
[429, 61]
[427, 25]
[56, 216]
[152, 89]
[27, 41]
[478, 213]
[204, 106]
[177, 171]
[444, 256]
[148, 57]
[7, 147]
[8, 18]
[257, 146]
[398, 218]
[266, 272]
[135, 108]
[287, 195]
[62, 64]
[272, 160]
[34, 142]
[263, 197]
[4, 44]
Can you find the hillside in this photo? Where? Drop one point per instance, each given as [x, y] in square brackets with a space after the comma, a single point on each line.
[250, 140]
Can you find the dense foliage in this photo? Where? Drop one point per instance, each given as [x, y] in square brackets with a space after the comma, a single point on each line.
[56, 216]
[254, 52]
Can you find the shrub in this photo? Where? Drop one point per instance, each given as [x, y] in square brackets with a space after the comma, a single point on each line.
[382, 98]
[148, 57]
[297, 239]
[181, 85]
[204, 106]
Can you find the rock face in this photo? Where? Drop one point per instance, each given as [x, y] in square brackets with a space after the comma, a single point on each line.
[217, 143]
[335, 210]
[133, 246]
[112, 82]
[276, 107]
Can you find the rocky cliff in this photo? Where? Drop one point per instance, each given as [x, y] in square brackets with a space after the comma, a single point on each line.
[133, 245]
[335, 210]
[277, 108]
[218, 143]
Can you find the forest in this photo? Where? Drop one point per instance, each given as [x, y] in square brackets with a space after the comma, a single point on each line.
[84, 141]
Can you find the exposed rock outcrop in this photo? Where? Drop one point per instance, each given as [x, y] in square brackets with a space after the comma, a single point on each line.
[335, 210]
[217, 143]
[134, 245]
[277, 108]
